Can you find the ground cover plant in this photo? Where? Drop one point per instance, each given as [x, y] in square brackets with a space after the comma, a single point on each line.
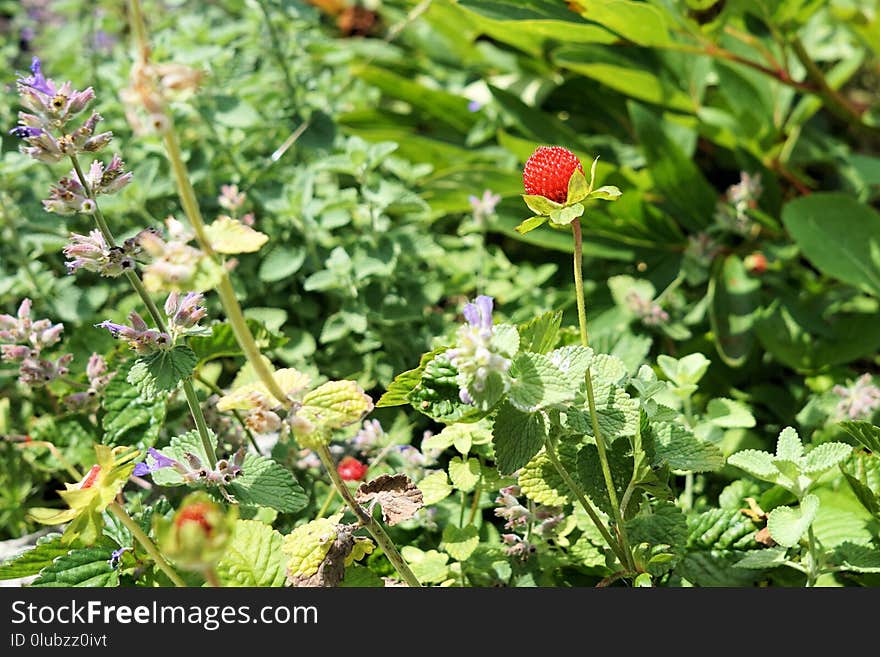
[436, 293]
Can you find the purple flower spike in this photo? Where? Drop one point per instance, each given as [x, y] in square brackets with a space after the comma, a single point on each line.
[479, 313]
[25, 132]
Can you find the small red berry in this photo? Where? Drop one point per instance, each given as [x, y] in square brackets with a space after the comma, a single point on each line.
[350, 469]
[90, 479]
[196, 513]
[756, 263]
[548, 171]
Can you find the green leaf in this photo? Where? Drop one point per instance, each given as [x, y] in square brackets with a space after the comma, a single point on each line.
[788, 525]
[729, 414]
[460, 542]
[864, 494]
[540, 334]
[606, 193]
[684, 371]
[32, 561]
[81, 567]
[223, 344]
[437, 393]
[361, 577]
[590, 474]
[735, 296]
[230, 236]
[162, 371]
[763, 559]
[541, 205]
[839, 235]
[435, 487]
[857, 558]
[666, 524]
[573, 362]
[281, 262]
[506, 339]
[566, 215]
[789, 446]
[541, 483]
[530, 224]
[578, 188]
[537, 383]
[680, 449]
[824, 457]
[130, 418]
[429, 567]
[638, 22]
[265, 482]
[464, 474]
[517, 437]
[686, 192]
[864, 432]
[252, 556]
[757, 463]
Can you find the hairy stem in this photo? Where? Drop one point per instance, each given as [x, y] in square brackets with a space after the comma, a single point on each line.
[147, 544]
[370, 524]
[591, 397]
[815, 564]
[138, 285]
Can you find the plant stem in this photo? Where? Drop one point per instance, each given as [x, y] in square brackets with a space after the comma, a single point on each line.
[217, 391]
[370, 524]
[138, 286]
[147, 544]
[585, 503]
[475, 504]
[813, 571]
[687, 502]
[591, 397]
[326, 505]
[212, 579]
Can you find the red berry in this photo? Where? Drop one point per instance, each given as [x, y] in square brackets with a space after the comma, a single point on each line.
[548, 171]
[196, 513]
[91, 478]
[756, 263]
[350, 469]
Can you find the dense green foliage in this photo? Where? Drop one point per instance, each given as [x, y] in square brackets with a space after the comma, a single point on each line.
[732, 293]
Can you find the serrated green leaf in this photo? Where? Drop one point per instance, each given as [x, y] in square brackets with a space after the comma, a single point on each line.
[716, 568]
[680, 449]
[517, 437]
[32, 561]
[763, 559]
[858, 558]
[592, 478]
[573, 362]
[361, 577]
[335, 404]
[666, 524]
[787, 525]
[307, 546]
[252, 556]
[162, 371]
[789, 446]
[729, 414]
[864, 494]
[435, 487]
[464, 474]
[684, 371]
[824, 456]
[437, 393]
[757, 463]
[429, 567]
[537, 383]
[505, 340]
[223, 344]
[460, 542]
[541, 483]
[540, 334]
[129, 418]
[80, 567]
[265, 482]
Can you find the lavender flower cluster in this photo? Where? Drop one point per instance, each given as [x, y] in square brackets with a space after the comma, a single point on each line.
[183, 315]
[543, 520]
[22, 341]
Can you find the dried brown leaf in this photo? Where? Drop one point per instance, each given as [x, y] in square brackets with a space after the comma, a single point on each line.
[396, 494]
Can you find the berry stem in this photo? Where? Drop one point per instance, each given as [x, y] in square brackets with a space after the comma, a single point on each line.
[138, 285]
[139, 535]
[370, 524]
[591, 398]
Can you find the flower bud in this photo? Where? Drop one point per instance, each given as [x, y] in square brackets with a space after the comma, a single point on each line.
[197, 535]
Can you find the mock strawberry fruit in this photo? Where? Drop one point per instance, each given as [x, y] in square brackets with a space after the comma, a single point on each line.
[548, 170]
[350, 469]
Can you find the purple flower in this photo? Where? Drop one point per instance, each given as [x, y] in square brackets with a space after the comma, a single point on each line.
[475, 106]
[25, 132]
[479, 313]
[484, 207]
[36, 80]
[159, 461]
[858, 400]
